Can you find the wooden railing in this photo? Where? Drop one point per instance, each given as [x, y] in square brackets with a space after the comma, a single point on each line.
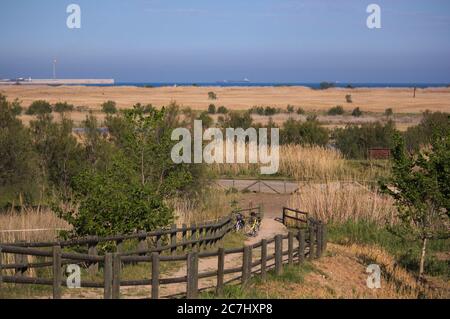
[309, 242]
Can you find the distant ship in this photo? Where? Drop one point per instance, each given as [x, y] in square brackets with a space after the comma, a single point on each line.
[245, 80]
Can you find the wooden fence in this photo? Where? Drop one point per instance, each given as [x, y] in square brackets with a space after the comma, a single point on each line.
[309, 242]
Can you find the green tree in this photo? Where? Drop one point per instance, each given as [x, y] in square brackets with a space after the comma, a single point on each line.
[39, 107]
[222, 110]
[112, 202]
[59, 152]
[109, 107]
[18, 161]
[420, 186]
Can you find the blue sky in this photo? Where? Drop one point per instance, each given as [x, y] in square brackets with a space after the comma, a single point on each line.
[209, 40]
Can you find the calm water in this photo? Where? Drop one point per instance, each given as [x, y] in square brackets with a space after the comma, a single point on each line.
[250, 84]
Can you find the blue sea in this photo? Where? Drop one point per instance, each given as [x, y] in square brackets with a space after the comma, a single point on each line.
[312, 85]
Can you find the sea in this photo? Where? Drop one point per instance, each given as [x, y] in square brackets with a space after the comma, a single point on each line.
[312, 85]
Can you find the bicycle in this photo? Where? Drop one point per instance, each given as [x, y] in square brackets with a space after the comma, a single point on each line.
[240, 222]
[255, 224]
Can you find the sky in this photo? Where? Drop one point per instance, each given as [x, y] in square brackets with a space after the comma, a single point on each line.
[211, 40]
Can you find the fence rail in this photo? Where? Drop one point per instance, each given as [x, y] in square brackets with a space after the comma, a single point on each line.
[294, 247]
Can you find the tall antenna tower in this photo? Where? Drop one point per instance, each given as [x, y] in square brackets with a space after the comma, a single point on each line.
[54, 69]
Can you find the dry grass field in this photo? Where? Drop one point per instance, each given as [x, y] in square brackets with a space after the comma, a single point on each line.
[240, 98]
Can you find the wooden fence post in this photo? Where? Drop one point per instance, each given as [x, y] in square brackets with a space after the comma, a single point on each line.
[184, 236]
[220, 271]
[312, 239]
[192, 276]
[116, 276]
[264, 259]
[107, 276]
[246, 265]
[324, 238]
[155, 276]
[319, 240]
[278, 254]
[173, 239]
[301, 246]
[92, 251]
[193, 236]
[57, 272]
[20, 259]
[291, 248]
[1, 269]
[142, 245]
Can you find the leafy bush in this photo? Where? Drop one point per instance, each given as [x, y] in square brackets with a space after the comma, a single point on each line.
[222, 110]
[354, 141]
[388, 112]
[422, 134]
[300, 111]
[290, 108]
[236, 120]
[212, 96]
[109, 107]
[336, 110]
[212, 109]
[146, 109]
[303, 133]
[357, 112]
[62, 107]
[207, 121]
[16, 107]
[268, 111]
[114, 202]
[39, 107]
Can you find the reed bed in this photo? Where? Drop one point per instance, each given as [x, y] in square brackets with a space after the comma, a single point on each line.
[213, 204]
[339, 202]
[30, 225]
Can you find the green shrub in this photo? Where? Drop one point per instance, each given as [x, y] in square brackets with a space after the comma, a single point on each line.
[431, 123]
[303, 133]
[354, 141]
[357, 112]
[16, 107]
[212, 109]
[62, 107]
[388, 112]
[109, 107]
[290, 108]
[222, 110]
[336, 110]
[212, 96]
[207, 121]
[39, 107]
[114, 202]
[300, 111]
